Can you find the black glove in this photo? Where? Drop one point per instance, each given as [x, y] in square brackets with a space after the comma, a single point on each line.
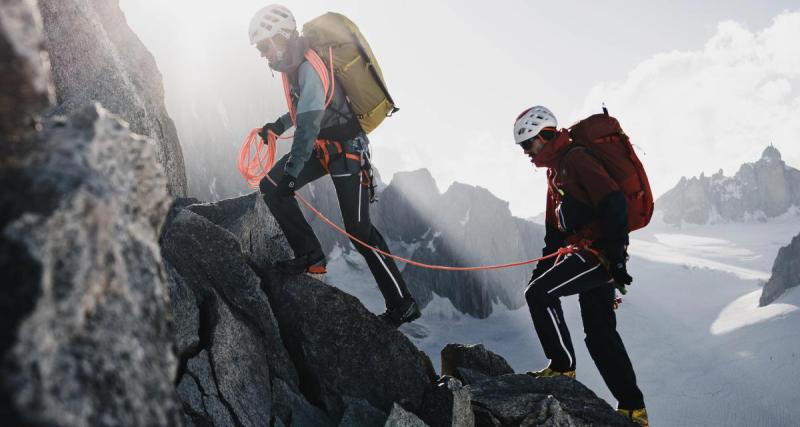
[620, 275]
[617, 259]
[286, 186]
[276, 127]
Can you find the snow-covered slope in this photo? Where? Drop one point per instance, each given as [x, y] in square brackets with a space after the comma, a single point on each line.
[704, 352]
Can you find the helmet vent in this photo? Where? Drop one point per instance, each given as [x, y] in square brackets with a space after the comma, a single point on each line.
[532, 121]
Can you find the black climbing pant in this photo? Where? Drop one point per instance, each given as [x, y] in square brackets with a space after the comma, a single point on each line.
[354, 204]
[582, 273]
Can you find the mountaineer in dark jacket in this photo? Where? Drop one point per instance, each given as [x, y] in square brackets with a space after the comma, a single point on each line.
[580, 192]
[344, 155]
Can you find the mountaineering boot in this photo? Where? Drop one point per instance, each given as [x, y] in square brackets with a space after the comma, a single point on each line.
[550, 373]
[639, 416]
[407, 312]
[313, 262]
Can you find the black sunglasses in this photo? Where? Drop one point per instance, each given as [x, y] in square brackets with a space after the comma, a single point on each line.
[545, 135]
[528, 143]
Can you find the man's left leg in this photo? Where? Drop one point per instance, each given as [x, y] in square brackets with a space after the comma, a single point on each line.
[606, 347]
[354, 203]
[573, 274]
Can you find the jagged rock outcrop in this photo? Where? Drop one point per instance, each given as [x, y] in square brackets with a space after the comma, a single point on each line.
[26, 88]
[785, 272]
[275, 353]
[456, 358]
[248, 218]
[521, 400]
[237, 356]
[84, 315]
[341, 349]
[400, 417]
[764, 189]
[501, 398]
[360, 413]
[351, 369]
[97, 57]
[85, 318]
[448, 404]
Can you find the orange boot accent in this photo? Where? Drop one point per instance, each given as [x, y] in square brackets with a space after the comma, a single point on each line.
[317, 269]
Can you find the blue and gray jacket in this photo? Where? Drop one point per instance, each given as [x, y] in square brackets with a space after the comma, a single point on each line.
[336, 122]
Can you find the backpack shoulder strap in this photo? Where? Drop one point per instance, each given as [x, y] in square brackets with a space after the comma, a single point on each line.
[572, 149]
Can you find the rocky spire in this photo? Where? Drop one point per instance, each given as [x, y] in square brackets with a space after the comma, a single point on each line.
[771, 153]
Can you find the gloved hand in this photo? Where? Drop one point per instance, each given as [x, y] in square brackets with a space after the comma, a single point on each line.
[620, 274]
[276, 127]
[617, 260]
[286, 186]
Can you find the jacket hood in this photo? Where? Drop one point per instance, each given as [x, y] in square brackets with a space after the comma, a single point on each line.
[553, 150]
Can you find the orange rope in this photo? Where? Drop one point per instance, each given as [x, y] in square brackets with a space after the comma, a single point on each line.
[257, 158]
[328, 82]
[561, 252]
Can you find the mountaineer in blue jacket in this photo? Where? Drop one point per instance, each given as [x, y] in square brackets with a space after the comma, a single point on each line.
[344, 155]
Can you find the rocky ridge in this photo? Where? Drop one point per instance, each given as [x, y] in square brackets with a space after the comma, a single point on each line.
[758, 191]
[84, 311]
[97, 57]
[785, 273]
[26, 87]
[329, 361]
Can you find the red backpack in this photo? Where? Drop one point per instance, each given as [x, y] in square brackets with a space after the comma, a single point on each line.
[602, 135]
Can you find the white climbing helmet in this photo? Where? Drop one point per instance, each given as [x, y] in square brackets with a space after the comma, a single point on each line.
[270, 21]
[532, 121]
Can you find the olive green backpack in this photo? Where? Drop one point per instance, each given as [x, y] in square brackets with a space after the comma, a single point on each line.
[354, 65]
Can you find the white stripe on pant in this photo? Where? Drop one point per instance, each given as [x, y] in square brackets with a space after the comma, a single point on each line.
[577, 276]
[553, 317]
[389, 273]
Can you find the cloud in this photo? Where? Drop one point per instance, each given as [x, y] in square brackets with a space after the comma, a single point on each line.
[718, 107]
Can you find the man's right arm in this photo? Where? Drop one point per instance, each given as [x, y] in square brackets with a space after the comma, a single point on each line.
[285, 121]
[310, 109]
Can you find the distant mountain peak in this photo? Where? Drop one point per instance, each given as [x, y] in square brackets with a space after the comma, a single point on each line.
[771, 154]
[759, 190]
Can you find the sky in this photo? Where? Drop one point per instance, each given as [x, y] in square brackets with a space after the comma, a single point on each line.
[698, 86]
